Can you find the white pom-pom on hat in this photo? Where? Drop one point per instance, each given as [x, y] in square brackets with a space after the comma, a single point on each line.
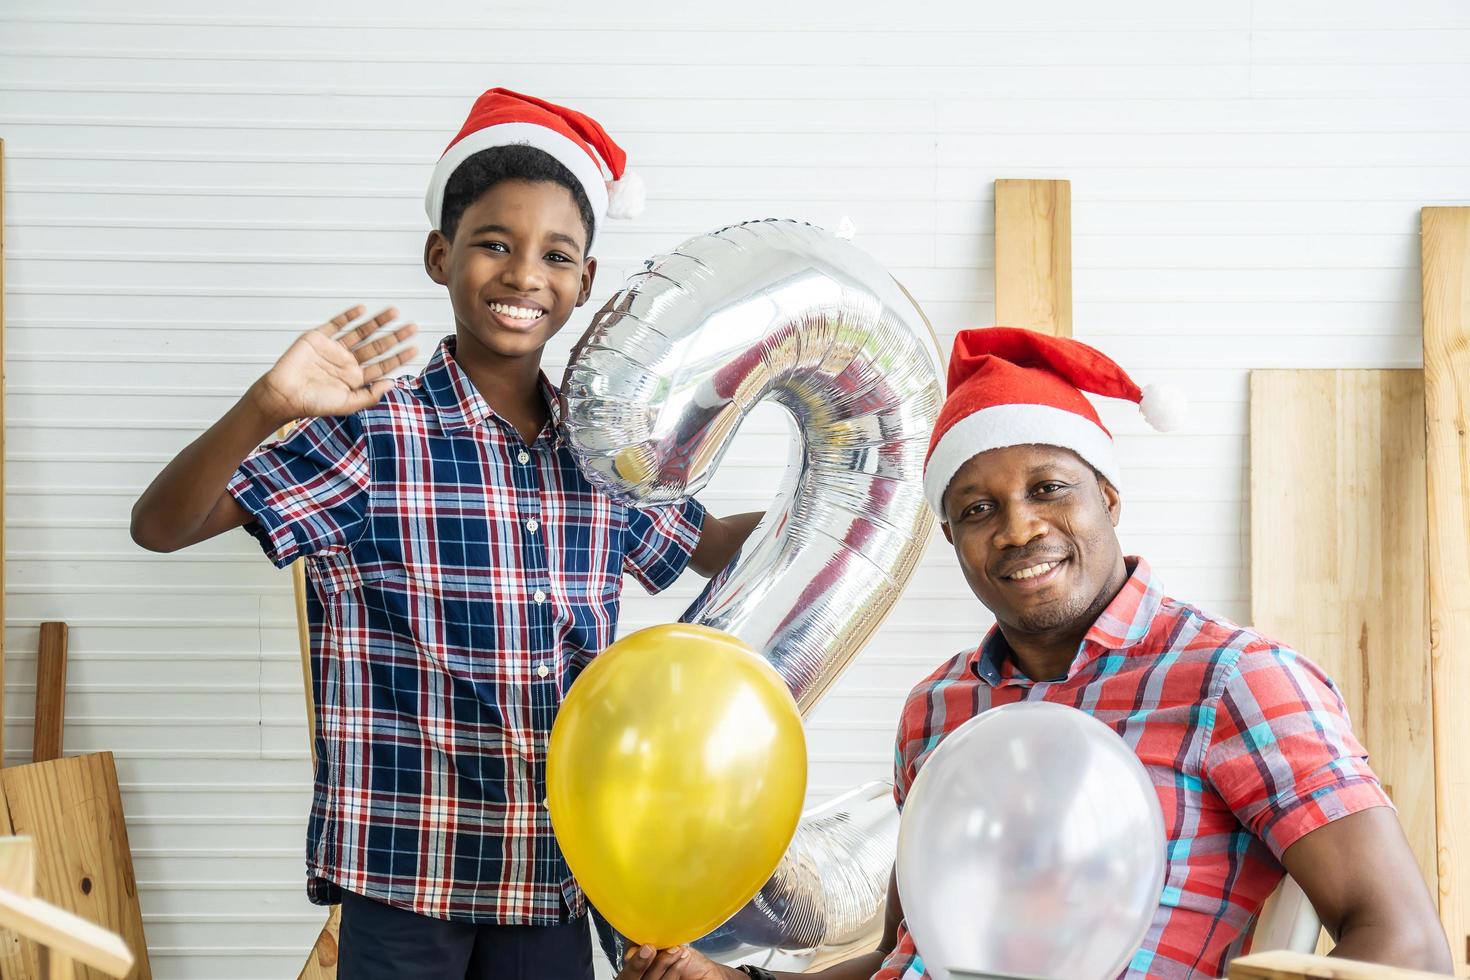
[1165, 407]
[626, 196]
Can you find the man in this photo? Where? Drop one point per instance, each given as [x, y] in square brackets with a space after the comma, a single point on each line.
[1248, 744]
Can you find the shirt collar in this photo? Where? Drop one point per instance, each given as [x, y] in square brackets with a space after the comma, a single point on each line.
[1121, 626]
[459, 404]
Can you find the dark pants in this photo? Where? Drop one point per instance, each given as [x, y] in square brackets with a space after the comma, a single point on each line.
[379, 942]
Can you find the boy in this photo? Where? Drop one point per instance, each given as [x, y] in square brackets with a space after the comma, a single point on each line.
[463, 569]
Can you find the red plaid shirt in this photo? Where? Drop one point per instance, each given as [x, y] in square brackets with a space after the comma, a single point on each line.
[461, 580]
[1248, 745]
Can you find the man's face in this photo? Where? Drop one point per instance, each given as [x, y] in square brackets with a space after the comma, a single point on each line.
[1033, 527]
[516, 267]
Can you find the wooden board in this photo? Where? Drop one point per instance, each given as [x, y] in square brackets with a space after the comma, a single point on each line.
[1033, 255]
[83, 863]
[1301, 966]
[69, 940]
[321, 964]
[2, 449]
[303, 639]
[1337, 560]
[1446, 297]
[50, 693]
[19, 959]
[18, 865]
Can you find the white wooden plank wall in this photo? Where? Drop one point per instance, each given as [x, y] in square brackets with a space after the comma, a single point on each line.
[189, 186]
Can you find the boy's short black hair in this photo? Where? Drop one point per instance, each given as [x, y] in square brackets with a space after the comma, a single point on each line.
[487, 168]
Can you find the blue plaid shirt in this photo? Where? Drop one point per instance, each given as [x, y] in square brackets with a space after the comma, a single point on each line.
[460, 580]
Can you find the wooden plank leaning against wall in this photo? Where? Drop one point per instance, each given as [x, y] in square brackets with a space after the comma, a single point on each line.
[1337, 560]
[17, 958]
[1033, 255]
[1446, 298]
[3, 620]
[321, 960]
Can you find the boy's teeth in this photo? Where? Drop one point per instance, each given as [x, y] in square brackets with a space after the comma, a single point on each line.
[519, 312]
[1035, 570]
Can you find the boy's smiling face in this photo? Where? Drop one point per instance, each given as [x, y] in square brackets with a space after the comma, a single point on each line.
[516, 268]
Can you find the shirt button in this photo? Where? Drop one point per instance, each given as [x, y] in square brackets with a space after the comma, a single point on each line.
[542, 671]
[532, 525]
[539, 596]
[523, 456]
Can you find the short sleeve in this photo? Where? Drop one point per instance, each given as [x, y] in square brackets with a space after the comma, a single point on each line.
[905, 764]
[934, 707]
[308, 493]
[1282, 754]
[904, 962]
[659, 541]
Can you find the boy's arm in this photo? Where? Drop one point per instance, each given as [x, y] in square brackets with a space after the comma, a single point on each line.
[329, 370]
[721, 539]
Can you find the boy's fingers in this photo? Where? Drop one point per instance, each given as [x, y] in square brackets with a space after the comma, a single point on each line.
[377, 369]
[348, 336]
[341, 320]
[377, 344]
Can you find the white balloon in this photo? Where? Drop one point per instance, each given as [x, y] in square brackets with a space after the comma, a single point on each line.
[1031, 845]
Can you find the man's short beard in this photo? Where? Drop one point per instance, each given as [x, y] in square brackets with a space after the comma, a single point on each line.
[1056, 615]
[1073, 612]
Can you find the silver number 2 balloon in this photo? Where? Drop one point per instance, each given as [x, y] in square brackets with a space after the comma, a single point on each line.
[655, 391]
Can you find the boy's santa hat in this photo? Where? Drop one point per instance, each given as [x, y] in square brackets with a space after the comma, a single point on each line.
[1011, 387]
[501, 117]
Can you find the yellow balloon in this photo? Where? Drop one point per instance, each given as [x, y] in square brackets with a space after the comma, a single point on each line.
[675, 777]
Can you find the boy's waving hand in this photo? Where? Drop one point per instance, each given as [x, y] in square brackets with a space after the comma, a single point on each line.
[336, 368]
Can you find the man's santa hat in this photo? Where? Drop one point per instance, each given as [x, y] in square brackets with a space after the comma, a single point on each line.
[501, 117]
[1011, 387]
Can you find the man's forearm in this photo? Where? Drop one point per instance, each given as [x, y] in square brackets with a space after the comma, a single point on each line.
[1395, 945]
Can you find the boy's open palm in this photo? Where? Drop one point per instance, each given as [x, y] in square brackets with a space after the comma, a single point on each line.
[335, 369]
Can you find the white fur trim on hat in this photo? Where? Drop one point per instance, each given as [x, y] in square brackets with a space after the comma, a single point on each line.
[566, 151]
[1001, 426]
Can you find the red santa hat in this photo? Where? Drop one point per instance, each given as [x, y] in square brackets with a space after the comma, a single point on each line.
[1011, 387]
[501, 117]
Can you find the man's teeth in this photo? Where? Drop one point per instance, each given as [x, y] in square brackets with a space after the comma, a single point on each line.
[1034, 570]
[517, 312]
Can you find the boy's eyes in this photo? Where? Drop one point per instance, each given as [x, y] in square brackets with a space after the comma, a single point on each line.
[557, 257]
